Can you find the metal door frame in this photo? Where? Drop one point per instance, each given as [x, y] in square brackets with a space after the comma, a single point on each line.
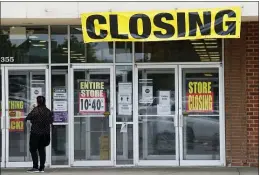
[5, 73]
[222, 148]
[3, 126]
[71, 113]
[136, 122]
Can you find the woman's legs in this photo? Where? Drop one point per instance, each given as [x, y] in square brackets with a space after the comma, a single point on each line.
[42, 154]
[33, 149]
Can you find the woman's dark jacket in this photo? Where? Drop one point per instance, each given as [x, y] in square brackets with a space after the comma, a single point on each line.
[41, 119]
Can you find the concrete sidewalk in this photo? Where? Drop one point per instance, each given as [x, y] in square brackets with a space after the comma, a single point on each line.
[140, 171]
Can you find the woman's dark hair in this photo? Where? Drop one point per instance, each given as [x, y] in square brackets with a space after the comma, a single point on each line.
[41, 101]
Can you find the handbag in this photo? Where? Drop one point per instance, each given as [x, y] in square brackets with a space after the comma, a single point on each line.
[47, 140]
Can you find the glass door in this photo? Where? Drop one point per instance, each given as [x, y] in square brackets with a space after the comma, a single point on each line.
[22, 86]
[157, 115]
[201, 115]
[60, 128]
[93, 111]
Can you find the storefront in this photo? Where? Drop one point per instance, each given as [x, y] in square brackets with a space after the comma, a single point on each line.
[115, 103]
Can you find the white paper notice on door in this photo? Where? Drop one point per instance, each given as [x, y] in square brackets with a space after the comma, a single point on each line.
[164, 97]
[147, 94]
[125, 109]
[60, 106]
[163, 109]
[125, 88]
[60, 93]
[35, 92]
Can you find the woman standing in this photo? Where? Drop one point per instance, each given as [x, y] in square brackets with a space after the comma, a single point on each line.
[41, 119]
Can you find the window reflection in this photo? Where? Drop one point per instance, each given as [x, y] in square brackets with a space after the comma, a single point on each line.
[124, 52]
[26, 44]
[90, 52]
[59, 44]
[205, 50]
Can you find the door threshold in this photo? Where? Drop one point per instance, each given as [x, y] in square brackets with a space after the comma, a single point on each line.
[122, 166]
[59, 166]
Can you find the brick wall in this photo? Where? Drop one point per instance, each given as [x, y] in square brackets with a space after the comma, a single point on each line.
[252, 88]
[241, 96]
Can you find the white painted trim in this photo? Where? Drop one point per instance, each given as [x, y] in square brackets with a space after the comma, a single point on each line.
[135, 116]
[71, 114]
[157, 163]
[56, 124]
[156, 66]
[49, 44]
[202, 163]
[24, 66]
[49, 105]
[92, 65]
[222, 70]
[68, 36]
[177, 63]
[92, 163]
[19, 164]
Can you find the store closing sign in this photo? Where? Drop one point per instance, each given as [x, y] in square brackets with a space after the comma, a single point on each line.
[200, 97]
[92, 98]
[17, 125]
[16, 112]
[161, 25]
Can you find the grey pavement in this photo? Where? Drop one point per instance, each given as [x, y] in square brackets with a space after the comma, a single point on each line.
[141, 171]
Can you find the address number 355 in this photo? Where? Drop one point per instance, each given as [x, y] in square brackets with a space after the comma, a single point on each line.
[7, 59]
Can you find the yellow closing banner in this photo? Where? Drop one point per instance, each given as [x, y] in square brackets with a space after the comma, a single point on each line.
[162, 25]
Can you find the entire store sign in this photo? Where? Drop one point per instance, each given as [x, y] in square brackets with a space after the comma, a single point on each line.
[162, 25]
[92, 98]
[200, 97]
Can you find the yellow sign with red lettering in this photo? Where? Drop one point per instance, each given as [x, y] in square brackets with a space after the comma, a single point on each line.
[200, 97]
[16, 125]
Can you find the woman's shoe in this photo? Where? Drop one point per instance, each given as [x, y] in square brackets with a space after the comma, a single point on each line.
[33, 170]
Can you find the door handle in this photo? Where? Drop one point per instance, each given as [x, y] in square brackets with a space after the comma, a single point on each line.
[181, 121]
[2, 122]
[110, 121]
[8, 123]
[175, 121]
[111, 108]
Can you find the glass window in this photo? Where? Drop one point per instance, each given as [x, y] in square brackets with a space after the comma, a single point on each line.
[91, 52]
[21, 45]
[59, 44]
[124, 52]
[207, 50]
